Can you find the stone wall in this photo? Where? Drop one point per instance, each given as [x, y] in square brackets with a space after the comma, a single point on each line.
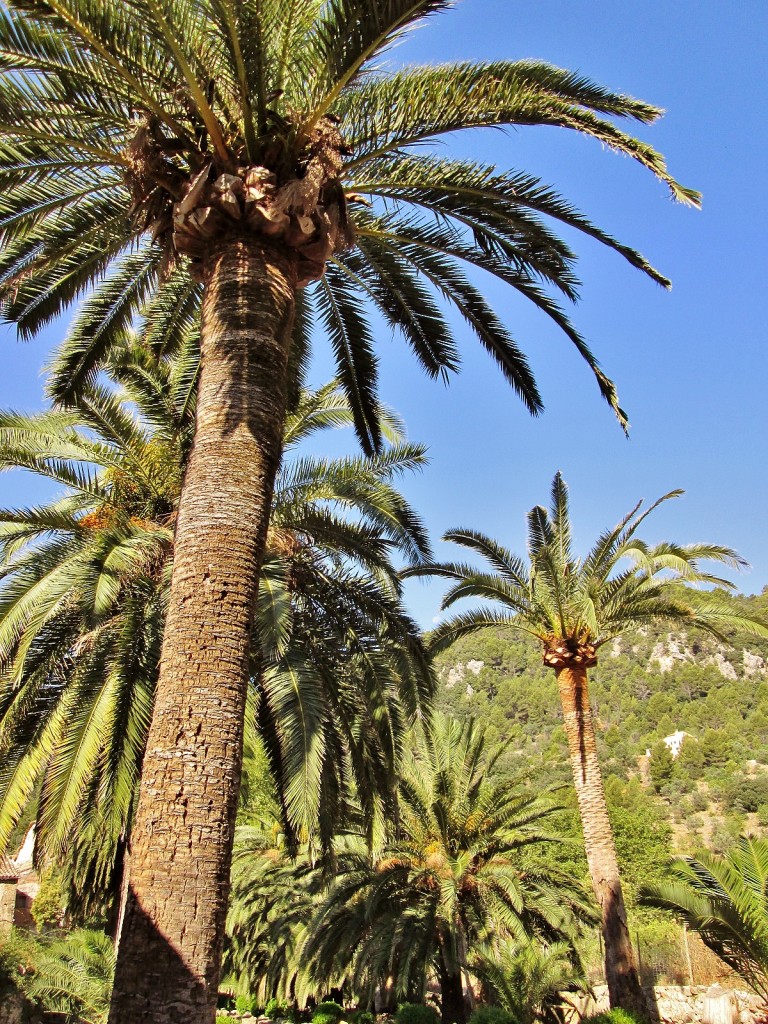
[7, 906]
[677, 1004]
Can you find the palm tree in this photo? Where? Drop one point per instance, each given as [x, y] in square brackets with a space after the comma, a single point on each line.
[573, 607]
[723, 899]
[337, 667]
[529, 978]
[452, 881]
[72, 976]
[222, 156]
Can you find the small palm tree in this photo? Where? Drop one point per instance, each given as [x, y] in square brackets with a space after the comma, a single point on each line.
[573, 607]
[529, 978]
[228, 155]
[724, 900]
[73, 976]
[337, 667]
[450, 881]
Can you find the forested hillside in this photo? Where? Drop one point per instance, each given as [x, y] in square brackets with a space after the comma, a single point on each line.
[647, 686]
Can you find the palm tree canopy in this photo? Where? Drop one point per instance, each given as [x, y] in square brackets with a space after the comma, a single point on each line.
[136, 135]
[338, 667]
[725, 899]
[529, 979]
[449, 880]
[72, 976]
[453, 879]
[575, 605]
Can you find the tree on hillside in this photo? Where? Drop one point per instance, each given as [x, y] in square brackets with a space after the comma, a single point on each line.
[337, 667]
[222, 156]
[573, 607]
[451, 883]
[724, 899]
[661, 765]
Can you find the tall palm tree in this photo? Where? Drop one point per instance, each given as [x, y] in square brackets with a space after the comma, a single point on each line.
[573, 607]
[724, 900]
[337, 667]
[226, 152]
[450, 883]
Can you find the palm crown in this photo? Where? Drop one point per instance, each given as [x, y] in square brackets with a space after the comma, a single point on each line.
[140, 134]
[449, 883]
[573, 606]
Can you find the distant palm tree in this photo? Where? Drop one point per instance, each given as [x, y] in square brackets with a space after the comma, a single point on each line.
[724, 900]
[230, 153]
[338, 668]
[573, 607]
[451, 881]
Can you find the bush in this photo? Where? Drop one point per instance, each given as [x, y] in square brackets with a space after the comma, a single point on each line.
[361, 1017]
[16, 959]
[613, 1017]
[245, 1003]
[416, 1013]
[330, 1009]
[491, 1015]
[699, 801]
[275, 1008]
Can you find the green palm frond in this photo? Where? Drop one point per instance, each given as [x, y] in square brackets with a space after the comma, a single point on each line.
[723, 898]
[338, 666]
[109, 112]
[344, 320]
[350, 33]
[447, 882]
[73, 976]
[621, 584]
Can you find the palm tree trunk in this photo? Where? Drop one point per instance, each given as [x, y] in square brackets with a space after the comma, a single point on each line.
[171, 941]
[452, 1005]
[624, 989]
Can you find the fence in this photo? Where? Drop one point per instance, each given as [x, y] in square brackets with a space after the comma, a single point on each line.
[678, 959]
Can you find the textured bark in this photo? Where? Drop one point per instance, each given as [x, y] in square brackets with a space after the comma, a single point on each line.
[181, 843]
[624, 989]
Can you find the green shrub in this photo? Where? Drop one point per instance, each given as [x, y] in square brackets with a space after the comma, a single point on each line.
[14, 960]
[245, 1003]
[361, 1017]
[700, 801]
[416, 1013]
[327, 1013]
[491, 1015]
[275, 1008]
[613, 1017]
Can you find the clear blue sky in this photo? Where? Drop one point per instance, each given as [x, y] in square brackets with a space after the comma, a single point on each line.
[690, 363]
